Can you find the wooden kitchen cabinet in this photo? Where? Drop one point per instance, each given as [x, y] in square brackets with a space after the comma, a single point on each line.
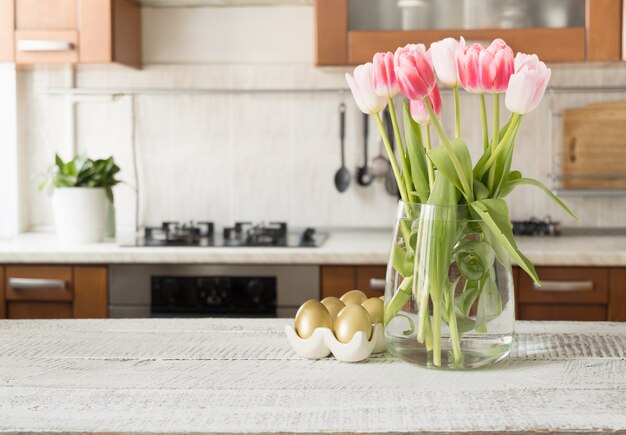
[70, 31]
[599, 39]
[54, 292]
[617, 294]
[336, 280]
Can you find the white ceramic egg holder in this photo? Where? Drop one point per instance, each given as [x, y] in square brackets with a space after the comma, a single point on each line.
[323, 342]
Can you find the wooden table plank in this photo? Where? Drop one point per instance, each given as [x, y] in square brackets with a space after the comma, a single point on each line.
[213, 376]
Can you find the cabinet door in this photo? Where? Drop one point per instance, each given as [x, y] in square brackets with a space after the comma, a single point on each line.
[2, 297]
[7, 31]
[371, 280]
[45, 14]
[350, 31]
[617, 295]
[336, 280]
[91, 292]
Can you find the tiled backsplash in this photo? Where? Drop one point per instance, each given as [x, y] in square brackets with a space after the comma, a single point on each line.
[268, 156]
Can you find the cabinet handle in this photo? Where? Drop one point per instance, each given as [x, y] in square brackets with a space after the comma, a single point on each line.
[377, 284]
[33, 283]
[43, 45]
[564, 286]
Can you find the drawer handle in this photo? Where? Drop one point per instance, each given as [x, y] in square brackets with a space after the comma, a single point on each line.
[564, 286]
[33, 283]
[43, 45]
[377, 284]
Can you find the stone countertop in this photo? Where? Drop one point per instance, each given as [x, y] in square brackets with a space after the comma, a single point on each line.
[342, 247]
[209, 376]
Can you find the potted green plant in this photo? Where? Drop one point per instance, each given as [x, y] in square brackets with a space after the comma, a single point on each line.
[82, 192]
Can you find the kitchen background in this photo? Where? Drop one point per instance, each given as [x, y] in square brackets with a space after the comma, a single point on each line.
[238, 154]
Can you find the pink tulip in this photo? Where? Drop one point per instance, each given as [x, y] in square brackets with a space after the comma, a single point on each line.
[362, 88]
[496, 66]
[414, 70]
[444, 60]
[385, 81]
[419, 111]
[527, 85]
[468, 63]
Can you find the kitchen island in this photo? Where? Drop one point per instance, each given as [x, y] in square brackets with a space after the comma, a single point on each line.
[241, 376]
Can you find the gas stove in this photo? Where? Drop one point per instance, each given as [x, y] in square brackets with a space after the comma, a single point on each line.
[241, 234]
[537, 227]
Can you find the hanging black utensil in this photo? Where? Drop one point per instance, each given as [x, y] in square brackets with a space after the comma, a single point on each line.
[364, 177]
[342, 176]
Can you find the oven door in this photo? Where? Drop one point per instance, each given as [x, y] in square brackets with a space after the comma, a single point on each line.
[132, 288]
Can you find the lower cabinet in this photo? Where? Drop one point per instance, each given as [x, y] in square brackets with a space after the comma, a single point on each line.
[336, 280]
[567, 293]
[53, 292]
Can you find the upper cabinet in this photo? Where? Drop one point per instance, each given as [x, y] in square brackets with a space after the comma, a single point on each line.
[349, 32]
[70, 31]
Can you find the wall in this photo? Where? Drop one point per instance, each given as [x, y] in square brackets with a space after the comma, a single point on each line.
[247, 156]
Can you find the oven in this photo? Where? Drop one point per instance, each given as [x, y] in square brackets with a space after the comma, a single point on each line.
[167, 290]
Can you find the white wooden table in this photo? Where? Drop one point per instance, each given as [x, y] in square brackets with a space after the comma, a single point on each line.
[209, 376]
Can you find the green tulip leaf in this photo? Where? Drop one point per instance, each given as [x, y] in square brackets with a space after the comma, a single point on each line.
[474, 258]
[416, 154]
[443, 162]
[495, 215]
[513, 183]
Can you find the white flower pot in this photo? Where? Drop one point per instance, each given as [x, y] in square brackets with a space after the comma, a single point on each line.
[80, 214]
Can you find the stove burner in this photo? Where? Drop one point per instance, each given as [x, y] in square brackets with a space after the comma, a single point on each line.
[536, 227]
[247, 234]
[180, 234]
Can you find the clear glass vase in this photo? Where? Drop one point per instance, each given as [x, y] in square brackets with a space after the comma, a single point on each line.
[449, 300]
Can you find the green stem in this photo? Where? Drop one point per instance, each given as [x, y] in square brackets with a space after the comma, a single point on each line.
[429, 164]
[406, 232]
[396, 128]
[436, 328]
[495, 138]
[428, 332]
[392, 159]
[454, 332]
[457, 112]
[468, 190]
[483, 111]
[515, 119]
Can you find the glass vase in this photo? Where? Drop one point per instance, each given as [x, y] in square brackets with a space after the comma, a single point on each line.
[449, 300]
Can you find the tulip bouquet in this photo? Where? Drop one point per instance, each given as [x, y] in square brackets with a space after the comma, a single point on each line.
[445, 175]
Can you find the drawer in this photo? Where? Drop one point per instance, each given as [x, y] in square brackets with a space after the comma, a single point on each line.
[39, 283]
[371, 280]
[566, 285]
[46, 14]
[46, 46]
[39, 310]
[595, 313]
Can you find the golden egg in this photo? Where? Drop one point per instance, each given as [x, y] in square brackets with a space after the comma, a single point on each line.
[354, 297]
[311, 315]
[350, 320]
[375, 308]
[333, 305]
